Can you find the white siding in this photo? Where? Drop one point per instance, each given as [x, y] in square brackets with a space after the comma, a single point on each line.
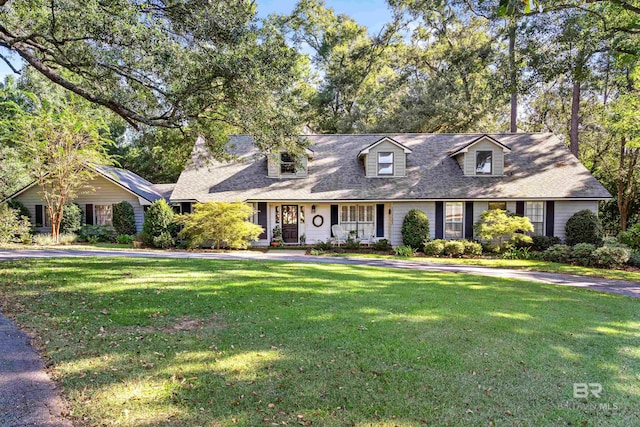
[315, 234]
[563, 211]
[400, 210]
[104, 193]
[497, 158]
[399, 159]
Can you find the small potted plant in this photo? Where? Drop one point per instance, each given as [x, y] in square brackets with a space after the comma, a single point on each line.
[276, 236]
[303, 239]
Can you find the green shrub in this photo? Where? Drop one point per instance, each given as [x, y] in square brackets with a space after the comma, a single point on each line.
[542, 243]
[164, 241]
[124, 218]
[71, 218]
[415, 229]
[381, 245]
[96, 233]
[43, 239]
[67, 238]
[582, 253]
[499, 224]
[520, 240]
[351, 244]
[472, 249]
[634, 260]
[158, 219]
[434, 247]
[13, 227]
[557, 253]
[454, 248]
[316, 252]
[517, 253]
[323, 246]
[125, 239]
[490, 248]
[18, 206]
[610, 256]
[584, 227]
[405, 251]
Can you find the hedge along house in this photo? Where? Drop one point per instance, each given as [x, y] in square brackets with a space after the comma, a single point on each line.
[367, 183]
[109, 186]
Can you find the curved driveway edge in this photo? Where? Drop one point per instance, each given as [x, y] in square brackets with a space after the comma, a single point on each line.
[28, 397]
[619, 287]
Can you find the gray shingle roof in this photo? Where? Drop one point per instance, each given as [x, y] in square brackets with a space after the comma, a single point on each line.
[135, 183]
[539, 166]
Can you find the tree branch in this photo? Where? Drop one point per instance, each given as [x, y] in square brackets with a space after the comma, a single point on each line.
[9, 64]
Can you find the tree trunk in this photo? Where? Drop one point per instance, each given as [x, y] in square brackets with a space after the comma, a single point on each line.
[575, 118]
[513, 76]
[626, 181]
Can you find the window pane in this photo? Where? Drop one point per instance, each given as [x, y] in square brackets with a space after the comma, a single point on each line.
[344, 217]
[497, 205]
[287, 163]
[454, 214]
[535, 212]
[385, 163]
[360, 213]
[103, 214]
[352, 213]
[369, 213]
[483, 162]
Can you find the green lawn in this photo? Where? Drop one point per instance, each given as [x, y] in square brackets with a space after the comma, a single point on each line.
[201, 342]
[522, 264]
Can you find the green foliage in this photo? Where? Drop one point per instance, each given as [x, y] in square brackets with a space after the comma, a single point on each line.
[404, 251]
[124, 219]
[542, 243]
[351, 244]
[12, 226]
[125, 239]
[454, 248]
[634, 260]
[500, 224]
[224, 224]
[158, 219]
[149, 63]
[582, 253]
[43, 239]
[517, 253]
[381, 245]
[520, 240]
[584, 227]
[71, 218]
[610, 256]
[557, 253]
[472, 249]
[164, 240]
[323, 246]
[415, 229]
[96, 233]
[19, 207]
[316, 252]
[276, 234]
[434, 247]
[631, 237]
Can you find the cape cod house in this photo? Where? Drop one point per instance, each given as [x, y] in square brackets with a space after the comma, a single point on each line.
[368, 182]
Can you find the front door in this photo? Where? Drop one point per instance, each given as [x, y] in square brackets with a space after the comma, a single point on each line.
[290, 223]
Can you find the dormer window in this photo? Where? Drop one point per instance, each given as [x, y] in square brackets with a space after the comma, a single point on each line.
[385, 163]
[484, 163]
[287, 164]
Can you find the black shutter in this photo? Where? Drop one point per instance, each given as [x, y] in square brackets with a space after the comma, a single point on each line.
[520, 208]
[380, 220]
[468, 220]
[334, 216]
[89, 214]
[439, 220]
[186, 207]
[39, 216]
[550, 218]
[262, 219]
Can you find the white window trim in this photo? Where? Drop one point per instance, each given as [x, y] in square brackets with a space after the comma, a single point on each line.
[445, 222]
[95, 215]
[544, 216]
[392, 163]
[349, 225]
[491, 164]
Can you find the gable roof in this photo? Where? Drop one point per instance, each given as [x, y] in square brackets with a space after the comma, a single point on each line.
[380, 141]
[126, 180]
[464, 147]
[540, 166]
